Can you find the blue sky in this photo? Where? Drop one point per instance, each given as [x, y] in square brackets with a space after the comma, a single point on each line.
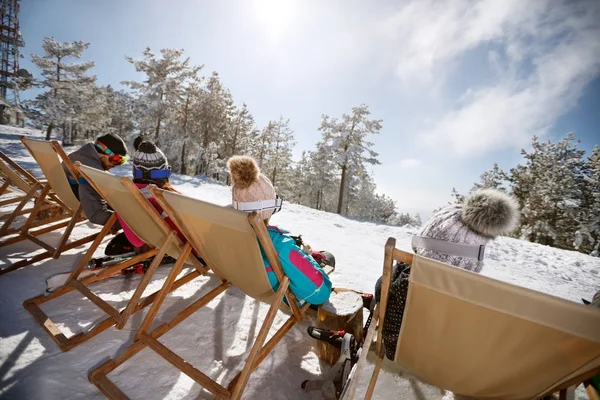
[459, 84]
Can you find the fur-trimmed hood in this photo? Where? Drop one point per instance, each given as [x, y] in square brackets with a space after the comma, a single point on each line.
[490, 212]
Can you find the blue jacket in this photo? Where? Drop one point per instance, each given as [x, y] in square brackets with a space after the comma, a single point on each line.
[308, 281]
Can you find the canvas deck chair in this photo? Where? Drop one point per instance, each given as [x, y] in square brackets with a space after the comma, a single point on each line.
[481, 337]
[227, 240]
[139, 214]
[48, 155]
[26, 188]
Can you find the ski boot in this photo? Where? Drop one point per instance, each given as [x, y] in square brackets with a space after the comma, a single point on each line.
[336, 378]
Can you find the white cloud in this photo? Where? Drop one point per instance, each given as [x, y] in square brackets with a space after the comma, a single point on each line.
[550, 51]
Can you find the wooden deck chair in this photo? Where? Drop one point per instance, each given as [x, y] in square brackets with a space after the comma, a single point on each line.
[480, 337]
[27, 188]
[227, 240]
[48, 155]
[131, 205]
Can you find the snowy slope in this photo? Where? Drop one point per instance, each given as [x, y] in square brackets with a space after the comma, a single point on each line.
[217, 338]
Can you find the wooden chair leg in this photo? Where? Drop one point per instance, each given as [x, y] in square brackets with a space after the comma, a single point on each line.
[67, 233]
[145, 280]
[260, 339]
[90, 252]
[37, 205]
[4, 187]
[16, 211]
[166, 288]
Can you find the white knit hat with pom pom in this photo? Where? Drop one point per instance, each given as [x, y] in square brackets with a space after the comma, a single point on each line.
[485, 214]
[249, 184]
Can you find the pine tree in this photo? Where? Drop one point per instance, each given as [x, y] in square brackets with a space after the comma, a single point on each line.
[347, 141]
[280, 156]
[493, 179]
[65, 82]
[160, 94]
[549, 188]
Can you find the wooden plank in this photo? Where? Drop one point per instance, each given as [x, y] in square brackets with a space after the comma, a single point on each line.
[386, 279]
[107, 308]
[108, 388]
[84, 337]
[129, 309]
[67, 233]
[240, 385]
[38, 203]
[350, 390]
[184, 366]
[176, 285]
[373, 380]
[166, 288]
[90, 252]
[46, 323]
[17, 210]
[403, 256]
[270, 345]
[39, 242]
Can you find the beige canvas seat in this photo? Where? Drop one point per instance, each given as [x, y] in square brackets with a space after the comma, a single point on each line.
[484, 338]
[227, 240]
[139, 214]
[25, 188]
[48, 155]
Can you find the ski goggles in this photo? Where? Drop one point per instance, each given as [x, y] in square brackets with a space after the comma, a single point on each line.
[152, 173]
[261, 205]
[116, 159]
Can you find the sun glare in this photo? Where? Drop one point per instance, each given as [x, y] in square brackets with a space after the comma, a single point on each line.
[274, 17]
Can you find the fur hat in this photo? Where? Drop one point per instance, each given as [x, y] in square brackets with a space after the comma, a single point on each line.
[484, 214]
[249, 184]
[148, 157]
[114, 143]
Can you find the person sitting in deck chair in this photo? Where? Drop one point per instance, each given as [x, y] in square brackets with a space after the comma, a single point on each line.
[454, 235]
[253, 191]
[150, 167]
[105, 153]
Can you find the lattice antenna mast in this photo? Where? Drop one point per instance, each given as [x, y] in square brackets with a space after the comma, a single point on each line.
[11, 41]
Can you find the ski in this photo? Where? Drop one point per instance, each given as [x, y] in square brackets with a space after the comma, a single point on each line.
[97, 265]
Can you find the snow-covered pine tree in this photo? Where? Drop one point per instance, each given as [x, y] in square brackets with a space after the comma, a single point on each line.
[280, 156]
[240, 133]
[160, 94]
[214, 114]
[492, 179]
[121, 112]
[587, 237]
[64, 81]
[348, 144]
[323, 178]
[549, 188]
[264, 143]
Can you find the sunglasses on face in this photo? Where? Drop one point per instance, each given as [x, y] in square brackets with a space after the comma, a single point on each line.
[115, 159]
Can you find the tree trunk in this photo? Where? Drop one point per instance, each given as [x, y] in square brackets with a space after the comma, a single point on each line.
[49, 131]
[182, 168]
[274, 176]
[342, 186]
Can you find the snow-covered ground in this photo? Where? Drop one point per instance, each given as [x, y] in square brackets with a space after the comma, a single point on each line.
[217, 338]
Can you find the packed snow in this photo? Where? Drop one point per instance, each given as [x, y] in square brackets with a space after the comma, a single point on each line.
[217, 339]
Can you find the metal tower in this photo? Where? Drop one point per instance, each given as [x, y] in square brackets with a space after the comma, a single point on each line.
[10, 42]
